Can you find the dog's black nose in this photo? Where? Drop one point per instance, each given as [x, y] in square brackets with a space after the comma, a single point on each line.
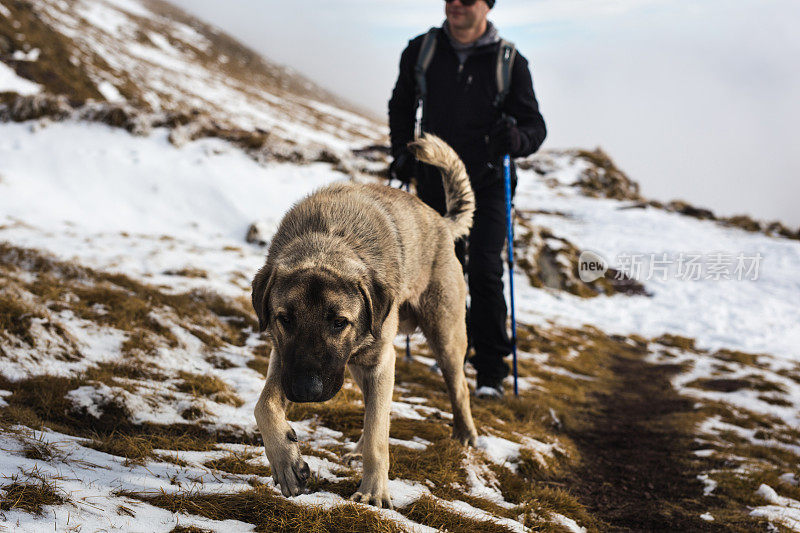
[307, 388]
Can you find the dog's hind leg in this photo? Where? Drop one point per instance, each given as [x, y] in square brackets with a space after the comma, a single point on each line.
[444, 326]
[289, 470]
[377, 383]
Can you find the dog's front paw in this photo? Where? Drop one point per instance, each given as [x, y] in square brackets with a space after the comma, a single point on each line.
[465, 436]
[291, 472]
[374, 493]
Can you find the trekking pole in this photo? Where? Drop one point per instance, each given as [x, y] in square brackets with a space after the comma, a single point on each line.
[510, 224]
[408, 337]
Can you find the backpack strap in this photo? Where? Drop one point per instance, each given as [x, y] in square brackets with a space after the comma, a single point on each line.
[506, 53]
[424, 58]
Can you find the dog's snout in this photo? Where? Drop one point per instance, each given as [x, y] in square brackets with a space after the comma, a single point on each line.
[307, 388]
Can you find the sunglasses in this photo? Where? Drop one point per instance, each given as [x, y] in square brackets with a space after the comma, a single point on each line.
[465, 3]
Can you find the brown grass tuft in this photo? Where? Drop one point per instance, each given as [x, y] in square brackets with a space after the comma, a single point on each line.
[271, 512]
[30, 496]
[432, 513]
[209, 386]
[239, 463]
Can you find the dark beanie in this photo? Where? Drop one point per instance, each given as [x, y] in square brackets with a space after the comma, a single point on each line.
[490, 2]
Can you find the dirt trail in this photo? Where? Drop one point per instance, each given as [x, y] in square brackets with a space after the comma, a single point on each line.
[635, 438]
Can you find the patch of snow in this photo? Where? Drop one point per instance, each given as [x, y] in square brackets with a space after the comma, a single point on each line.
[788, 478]
[104, 17]
[405, 492]
[411, 444]
[757, 316]
[31, 55]
[91, 480]
[4, 11]
[405, 410]
[109, 92]
[10, 82]
[567, 523]
[483, 483]
[100, 179]
[131, 6]
[474, 513]
[708, 484]
[707, 517]
[782, 510]
[500, 451]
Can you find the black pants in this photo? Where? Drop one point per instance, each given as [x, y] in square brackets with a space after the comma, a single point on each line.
[482, 258]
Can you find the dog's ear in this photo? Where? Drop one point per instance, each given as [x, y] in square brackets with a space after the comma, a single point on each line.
[262, 284]
[377, 303]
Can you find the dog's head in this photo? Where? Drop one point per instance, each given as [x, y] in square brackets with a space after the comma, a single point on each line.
[317, 318]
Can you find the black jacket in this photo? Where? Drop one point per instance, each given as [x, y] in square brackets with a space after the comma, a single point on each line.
[460, 104]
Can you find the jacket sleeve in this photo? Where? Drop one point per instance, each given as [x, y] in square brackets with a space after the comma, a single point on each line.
[403, 104]
[522, 105]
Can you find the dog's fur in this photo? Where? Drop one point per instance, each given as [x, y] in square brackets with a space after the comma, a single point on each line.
[349, 267]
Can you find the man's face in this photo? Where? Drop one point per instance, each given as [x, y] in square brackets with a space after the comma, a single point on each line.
[463, 17]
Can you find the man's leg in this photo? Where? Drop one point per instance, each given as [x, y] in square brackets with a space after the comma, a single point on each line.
[485, 266]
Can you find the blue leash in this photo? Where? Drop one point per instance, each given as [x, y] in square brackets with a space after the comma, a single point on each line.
[510, 225]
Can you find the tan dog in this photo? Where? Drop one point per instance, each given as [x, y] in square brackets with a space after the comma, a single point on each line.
[349, 266]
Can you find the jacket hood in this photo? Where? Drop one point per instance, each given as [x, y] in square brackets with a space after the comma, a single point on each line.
[490, 36]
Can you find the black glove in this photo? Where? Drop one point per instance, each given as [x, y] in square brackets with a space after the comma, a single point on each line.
[403, 167]
[504, 137]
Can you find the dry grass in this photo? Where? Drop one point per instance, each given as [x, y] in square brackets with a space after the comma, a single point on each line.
[208, 386]
[270, 512]
[432, 513]
[189, 529]
[240, 464]
[30, 496]
[117, 301]
[591, 396]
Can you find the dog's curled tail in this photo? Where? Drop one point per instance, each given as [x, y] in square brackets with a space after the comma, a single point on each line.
[459, 198]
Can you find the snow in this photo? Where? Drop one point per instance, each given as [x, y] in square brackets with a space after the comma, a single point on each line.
[752, 316]
[177, 69]
[568, 523]
[90, 480]
[782, 510]
[10, 82]
[500, 451]
[4, 11]
[32, 55]
[709, 485]
[109, 92]
[405, 493]
[117, 182]
[131, 6]
[145, 207]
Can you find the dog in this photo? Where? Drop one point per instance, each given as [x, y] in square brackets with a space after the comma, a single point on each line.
[349, 267]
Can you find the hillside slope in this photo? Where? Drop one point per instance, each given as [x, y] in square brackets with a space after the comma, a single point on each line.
[154, 57]
[662, 395]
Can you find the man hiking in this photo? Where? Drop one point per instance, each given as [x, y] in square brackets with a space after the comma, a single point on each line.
[456, 73]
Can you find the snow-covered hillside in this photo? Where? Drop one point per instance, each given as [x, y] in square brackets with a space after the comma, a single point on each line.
[662, 395]
[158, 58]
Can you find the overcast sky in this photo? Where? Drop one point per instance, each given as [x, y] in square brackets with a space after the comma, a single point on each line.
[696, 100]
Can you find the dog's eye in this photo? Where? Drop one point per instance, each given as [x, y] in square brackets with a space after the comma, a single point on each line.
[284, 319]
[339, 324]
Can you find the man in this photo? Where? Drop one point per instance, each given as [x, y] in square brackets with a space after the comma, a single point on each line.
[460, 107]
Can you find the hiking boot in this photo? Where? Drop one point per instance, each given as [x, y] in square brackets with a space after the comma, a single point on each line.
[488, 388]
